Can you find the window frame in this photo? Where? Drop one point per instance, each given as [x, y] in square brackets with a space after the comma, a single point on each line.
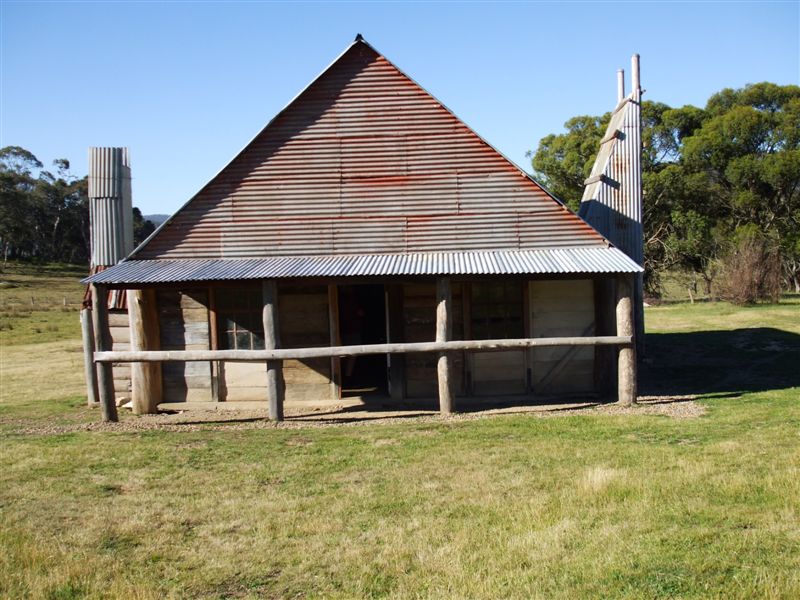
[497, 310]
[239, 318]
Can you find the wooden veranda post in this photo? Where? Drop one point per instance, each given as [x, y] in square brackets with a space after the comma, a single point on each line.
[146, 383]
[626, 357]
[444, 333]
[90, 371]
[102, 343]
[272, 341]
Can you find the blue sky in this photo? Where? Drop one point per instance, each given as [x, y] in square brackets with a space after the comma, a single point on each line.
[185, 85]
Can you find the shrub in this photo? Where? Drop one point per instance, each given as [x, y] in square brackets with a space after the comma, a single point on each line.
[750, 271]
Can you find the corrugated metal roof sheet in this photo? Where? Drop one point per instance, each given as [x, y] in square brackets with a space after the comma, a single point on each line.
[579, 261]
[365, 161]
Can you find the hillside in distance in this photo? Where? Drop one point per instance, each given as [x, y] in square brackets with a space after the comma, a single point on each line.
[156, 219]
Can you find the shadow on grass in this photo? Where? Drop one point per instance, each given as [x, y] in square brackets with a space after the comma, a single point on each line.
[714, 364]
[720, 363]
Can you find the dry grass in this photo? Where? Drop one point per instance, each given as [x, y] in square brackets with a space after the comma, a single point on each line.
[54, 368]
[597, 503]
[503, 507]
[39, 303]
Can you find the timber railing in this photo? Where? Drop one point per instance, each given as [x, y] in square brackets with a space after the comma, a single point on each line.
[336, 351]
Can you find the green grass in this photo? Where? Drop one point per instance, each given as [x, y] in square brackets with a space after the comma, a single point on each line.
[579, 506]
[710, 316]
[675, 287]
[40, 303]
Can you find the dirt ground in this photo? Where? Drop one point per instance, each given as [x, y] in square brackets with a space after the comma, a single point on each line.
[677, 407]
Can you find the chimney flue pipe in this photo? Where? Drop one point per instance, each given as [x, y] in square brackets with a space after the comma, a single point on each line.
[110, 205]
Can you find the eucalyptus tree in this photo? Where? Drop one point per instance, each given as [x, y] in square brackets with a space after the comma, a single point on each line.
[711, 176]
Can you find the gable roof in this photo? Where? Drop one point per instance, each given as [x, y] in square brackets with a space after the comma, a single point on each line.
[366, 161]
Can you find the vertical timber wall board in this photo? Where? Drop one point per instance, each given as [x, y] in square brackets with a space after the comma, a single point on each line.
[419, 325]
[303, 323]
[303, 320]
[562, 308]
[498, 373]
[184, 325]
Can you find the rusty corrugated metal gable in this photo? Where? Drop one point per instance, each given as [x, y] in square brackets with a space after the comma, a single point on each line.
[365, 161]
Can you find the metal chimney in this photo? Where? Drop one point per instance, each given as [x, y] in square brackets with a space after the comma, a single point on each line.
[110, 206]
[612, 198]
[637, 89]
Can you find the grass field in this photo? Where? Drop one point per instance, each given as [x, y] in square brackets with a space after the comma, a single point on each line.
[579, 506]
[40, 303]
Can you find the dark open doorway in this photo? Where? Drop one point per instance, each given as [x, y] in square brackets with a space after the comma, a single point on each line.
[362, 320]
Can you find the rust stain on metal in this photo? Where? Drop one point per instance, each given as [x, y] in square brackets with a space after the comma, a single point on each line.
[365, 161]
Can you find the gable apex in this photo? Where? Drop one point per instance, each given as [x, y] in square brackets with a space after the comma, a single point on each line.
[366, 161]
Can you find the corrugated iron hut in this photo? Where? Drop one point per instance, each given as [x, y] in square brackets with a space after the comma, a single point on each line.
[367, 240]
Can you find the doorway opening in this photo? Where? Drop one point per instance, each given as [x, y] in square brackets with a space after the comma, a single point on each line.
[362, 320]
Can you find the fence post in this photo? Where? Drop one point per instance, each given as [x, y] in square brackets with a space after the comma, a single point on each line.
[102, 343]
[89, 369]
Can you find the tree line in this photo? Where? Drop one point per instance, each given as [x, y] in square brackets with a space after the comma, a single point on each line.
[721, 186]
[44, 214]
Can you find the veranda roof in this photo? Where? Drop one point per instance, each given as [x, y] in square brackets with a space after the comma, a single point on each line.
[578, 261]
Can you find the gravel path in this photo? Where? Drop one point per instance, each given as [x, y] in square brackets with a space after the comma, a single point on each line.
[677, 407]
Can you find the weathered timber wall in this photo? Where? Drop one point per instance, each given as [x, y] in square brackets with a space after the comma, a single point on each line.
[498, 373]
[303, 319]
[555, 308]
[303, 322]
[419, 325]
[562, 308]
[495, 373]
[183, 323]
[121, 340]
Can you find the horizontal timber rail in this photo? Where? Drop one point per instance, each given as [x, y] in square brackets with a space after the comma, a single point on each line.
[330, 351]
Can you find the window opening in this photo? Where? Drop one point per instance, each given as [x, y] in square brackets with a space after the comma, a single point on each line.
[239, 320]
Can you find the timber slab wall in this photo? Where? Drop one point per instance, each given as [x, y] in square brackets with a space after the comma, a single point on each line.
[119, 329]
[551, 308]
[184, 325]
[303, 323]
[562, 309]
[419, 325]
